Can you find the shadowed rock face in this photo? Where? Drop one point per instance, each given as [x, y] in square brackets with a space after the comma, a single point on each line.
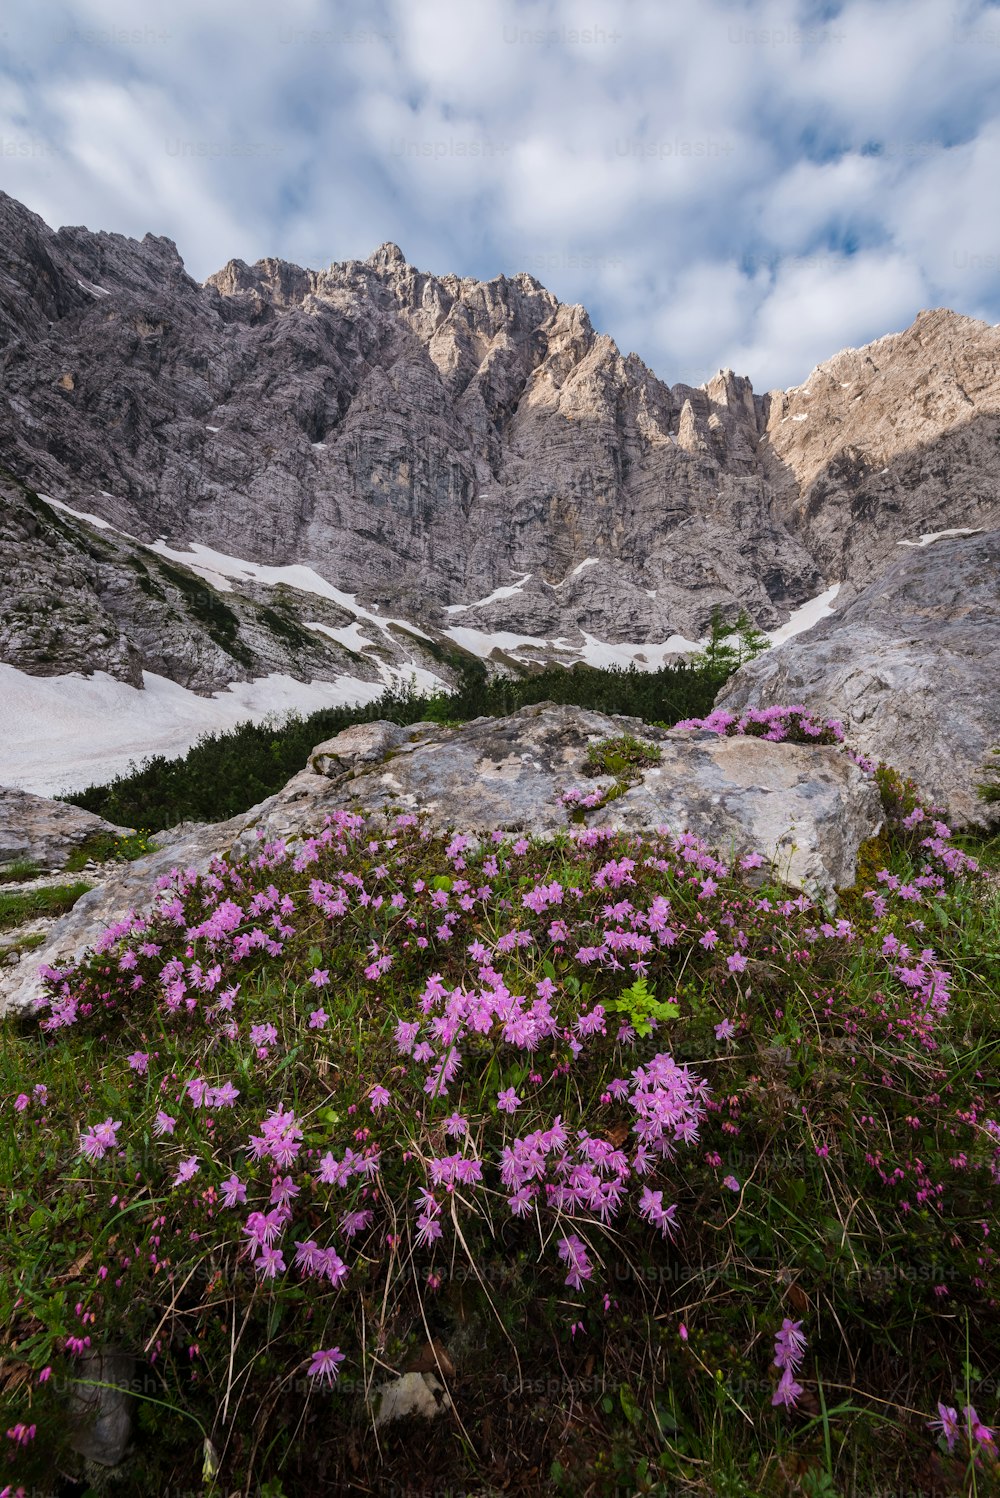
[806, 808]
[421, 441]
[912, 667]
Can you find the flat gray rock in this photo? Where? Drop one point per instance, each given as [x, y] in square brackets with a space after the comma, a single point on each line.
[911, 665]
[45, 832]
[805, 807]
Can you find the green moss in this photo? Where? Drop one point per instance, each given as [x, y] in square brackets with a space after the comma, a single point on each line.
[144, 580]
[286, 627]
[104, 848]
[622, 756]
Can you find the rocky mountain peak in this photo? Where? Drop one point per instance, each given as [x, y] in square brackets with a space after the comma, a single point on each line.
[387, 257]
[472, 457]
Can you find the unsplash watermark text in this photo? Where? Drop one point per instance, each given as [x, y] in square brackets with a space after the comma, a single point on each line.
[560, 36]
[665, 150]
[448, 149]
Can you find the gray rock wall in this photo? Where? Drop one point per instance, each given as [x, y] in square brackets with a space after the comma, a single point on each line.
[912, 667]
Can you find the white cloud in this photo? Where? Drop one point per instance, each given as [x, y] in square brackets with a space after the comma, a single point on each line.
[825, 305]
[719, 184]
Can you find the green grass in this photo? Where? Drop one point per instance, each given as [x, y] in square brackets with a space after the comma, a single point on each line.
[104, 848]
[17, 908]
[984, 846]
[623, 756]
[21, 869]
[24, 944]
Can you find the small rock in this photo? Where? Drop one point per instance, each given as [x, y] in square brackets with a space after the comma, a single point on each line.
[419, 1394]
[101, 1413]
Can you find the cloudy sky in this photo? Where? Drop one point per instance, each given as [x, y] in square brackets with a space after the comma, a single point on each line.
[744, 183]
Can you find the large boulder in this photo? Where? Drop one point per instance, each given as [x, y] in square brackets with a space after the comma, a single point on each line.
[911, 665]
[807, 808]
[37, 830]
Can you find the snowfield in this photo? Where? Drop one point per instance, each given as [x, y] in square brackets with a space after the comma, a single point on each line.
[62, 733]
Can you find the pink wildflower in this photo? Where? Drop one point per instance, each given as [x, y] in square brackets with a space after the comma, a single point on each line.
[101, 1138]
[975, 1428]
[947, 1424]
[186, 1170]
[325, 1364]
[574, 1254]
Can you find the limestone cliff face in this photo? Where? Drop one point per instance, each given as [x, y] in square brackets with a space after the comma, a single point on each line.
[422, 441]
[891, 440]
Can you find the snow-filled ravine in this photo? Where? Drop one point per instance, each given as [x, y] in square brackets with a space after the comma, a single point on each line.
[61, 733]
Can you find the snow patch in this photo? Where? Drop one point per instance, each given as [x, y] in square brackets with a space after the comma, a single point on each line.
[216, 567]
[806, 616]
[61, 733]
[650, 657]
[92, 288]
[802, 416]
[580, 567]
[208, 574]
[483, 642]
[351, 637]
[213, 429]
[925, 540]
[494, 597]
[94, 520]
[320, 447]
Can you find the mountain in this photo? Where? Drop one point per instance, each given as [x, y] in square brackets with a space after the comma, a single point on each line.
[470, 458]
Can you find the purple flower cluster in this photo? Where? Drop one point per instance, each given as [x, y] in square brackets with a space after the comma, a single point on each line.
[777, 724]
[789, 1347]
